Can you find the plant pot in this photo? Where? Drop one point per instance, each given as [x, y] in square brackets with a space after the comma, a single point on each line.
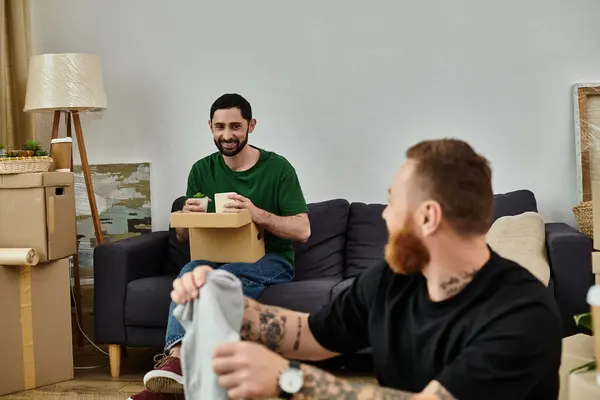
[13, 153]
[26, 153]
[204, 202]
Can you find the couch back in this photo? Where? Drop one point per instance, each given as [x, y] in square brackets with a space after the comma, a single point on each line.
[347, 238]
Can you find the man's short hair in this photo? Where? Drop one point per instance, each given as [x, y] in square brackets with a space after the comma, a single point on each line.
[450, 172]
[232, 100]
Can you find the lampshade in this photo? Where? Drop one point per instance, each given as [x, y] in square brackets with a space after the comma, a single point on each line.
[69, 81]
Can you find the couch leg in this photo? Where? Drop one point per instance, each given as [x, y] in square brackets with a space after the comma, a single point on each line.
[114, 354]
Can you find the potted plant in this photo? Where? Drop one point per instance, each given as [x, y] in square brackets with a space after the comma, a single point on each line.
[30, 148]
[203, 198]
[2, 151]
[585, 320]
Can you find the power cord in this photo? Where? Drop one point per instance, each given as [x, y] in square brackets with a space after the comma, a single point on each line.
[84, 335]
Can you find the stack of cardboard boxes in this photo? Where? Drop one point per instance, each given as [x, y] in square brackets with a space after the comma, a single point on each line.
[578, 350]
[36, 211]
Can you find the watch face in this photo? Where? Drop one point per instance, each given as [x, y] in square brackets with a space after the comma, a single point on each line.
[291, 380]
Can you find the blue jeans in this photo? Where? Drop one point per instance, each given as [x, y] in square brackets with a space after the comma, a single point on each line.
[255, 277]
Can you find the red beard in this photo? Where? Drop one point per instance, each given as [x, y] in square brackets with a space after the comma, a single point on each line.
[405, 252]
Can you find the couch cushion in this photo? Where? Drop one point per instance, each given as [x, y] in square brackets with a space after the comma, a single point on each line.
[367, 236]
[305, 296]
[514, 203]
[323, 254]
[522, 239]
[147, 301]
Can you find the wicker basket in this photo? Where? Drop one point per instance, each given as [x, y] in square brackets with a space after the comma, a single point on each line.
[24, 165]
[584, 215]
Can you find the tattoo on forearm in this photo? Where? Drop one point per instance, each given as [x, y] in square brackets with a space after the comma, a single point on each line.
[297, 342]
[272, 328]
[322, 385]
[457, 283]
[269, 330]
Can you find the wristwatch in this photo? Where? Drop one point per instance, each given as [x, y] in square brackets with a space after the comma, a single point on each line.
[291, 380]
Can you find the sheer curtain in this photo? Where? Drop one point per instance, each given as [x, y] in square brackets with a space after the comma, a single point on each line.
[15, 48]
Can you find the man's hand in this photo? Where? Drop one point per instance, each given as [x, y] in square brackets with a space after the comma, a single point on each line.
[187, 287]
[195, 205]
[248, 370]
[238, 202]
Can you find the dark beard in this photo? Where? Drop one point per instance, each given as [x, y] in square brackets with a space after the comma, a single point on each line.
[405, 252]
[232, 152]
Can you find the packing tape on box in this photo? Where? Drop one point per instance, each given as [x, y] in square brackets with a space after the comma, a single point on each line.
[19, 257]
[27, 327]
[25, 258]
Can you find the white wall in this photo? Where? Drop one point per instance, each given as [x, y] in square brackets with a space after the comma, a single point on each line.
[335, 82]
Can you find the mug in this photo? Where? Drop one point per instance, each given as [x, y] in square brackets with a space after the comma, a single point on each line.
[221, 199]
[60, 151]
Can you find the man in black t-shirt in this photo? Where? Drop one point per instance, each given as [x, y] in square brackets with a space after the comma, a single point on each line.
[446, 317]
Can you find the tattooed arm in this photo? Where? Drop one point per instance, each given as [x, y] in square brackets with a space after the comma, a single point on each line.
[282, 331]
[319, 384]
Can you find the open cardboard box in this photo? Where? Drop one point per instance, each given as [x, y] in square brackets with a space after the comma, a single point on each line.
[577, 350]
[36, 345]
[222, 237]
[37, 211]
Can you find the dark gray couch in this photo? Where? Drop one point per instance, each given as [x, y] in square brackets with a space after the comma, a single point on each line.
[133, 277]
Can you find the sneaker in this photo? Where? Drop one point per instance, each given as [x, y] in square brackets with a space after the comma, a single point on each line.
[148, 395]
[166, 376]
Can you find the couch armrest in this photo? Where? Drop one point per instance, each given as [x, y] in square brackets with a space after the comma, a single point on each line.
[570, 255]
[115, 265]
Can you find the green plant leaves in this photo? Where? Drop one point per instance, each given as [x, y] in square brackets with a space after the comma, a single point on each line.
[585, 367]
[584, 320]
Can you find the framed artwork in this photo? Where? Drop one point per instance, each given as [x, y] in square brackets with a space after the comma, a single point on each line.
[587, 137]
[122, 194]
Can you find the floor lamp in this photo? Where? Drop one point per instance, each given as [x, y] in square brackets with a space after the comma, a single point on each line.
[69, 84]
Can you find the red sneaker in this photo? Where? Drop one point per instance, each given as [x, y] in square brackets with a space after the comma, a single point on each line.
[148, 395]
[166, 376]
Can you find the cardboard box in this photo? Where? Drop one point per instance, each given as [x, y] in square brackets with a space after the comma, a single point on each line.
[221, 237]
[596, 265]
[596, 213]
[36, 343]
[583, 386]
[577, 350]
[38, 211]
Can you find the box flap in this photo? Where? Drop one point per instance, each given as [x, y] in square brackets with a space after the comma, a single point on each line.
[38, 179]
[58, 178]
[210, 220]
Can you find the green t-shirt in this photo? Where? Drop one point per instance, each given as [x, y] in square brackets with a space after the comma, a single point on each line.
[271, 184]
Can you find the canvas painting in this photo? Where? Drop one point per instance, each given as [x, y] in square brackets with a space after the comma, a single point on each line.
[586, 98]
[122, 193]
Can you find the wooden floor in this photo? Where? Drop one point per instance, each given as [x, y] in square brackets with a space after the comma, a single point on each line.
[92, 374]
[96, 383]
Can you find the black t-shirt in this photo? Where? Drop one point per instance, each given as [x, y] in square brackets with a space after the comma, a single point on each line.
[499, 338]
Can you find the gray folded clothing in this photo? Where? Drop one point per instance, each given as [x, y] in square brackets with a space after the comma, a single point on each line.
[214, 318]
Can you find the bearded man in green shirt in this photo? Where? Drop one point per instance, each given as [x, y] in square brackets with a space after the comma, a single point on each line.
[267, 186]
